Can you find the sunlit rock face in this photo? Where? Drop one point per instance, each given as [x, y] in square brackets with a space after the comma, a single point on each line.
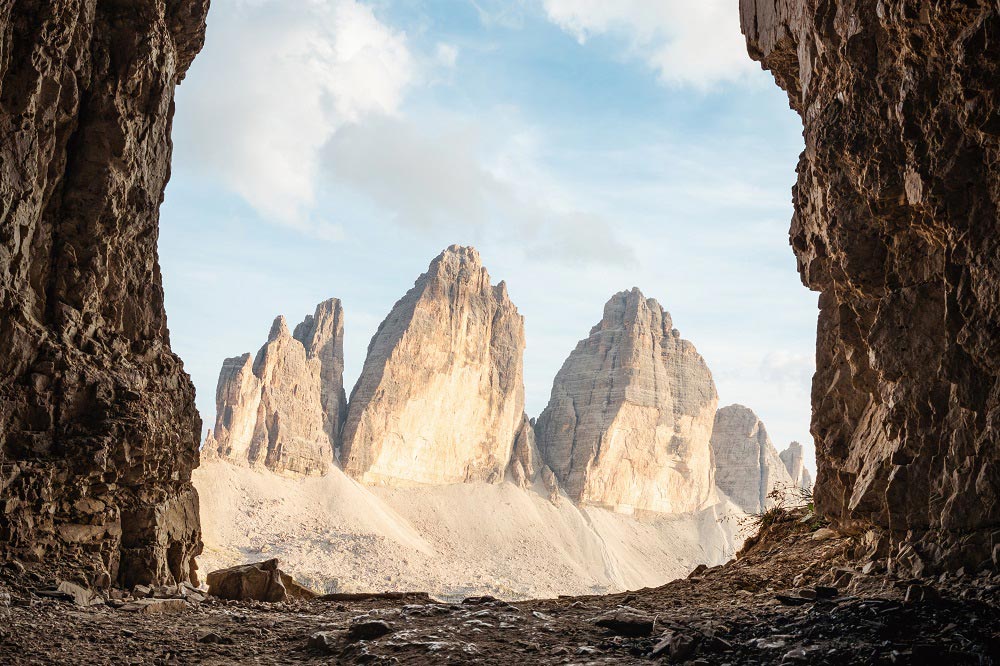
[441, 396]
[748, 469]
[630, 416]
[795, 466]
[98, 427]
[283, 409]
[895, 225]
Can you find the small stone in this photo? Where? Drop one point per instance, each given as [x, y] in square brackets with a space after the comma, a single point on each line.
[141, 591]
[81, 595]
[627, 622]
[155, 606]
[807, 593]
[213, 638]
[790, 601]
[699, 571]
[823, 533]
[324, 641]
[363, 629]
[826, 591]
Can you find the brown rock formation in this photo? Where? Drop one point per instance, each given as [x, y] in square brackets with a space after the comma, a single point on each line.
[98, 428]
[794, 465]
[284, 409]
[896, 226]
[747, 466]
[441, 396]
[259, 581]
[631, 412]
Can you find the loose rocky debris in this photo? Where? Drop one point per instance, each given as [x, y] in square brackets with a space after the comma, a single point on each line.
[733, 614]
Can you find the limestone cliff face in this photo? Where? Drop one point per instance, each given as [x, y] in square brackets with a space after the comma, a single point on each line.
[630, 415]
[283, 410]
[793, 461]
[98, 428]
[441, 396]
[747, 467]
[895, 225]
[526, 462]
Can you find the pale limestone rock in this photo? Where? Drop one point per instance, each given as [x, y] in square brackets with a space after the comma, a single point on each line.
[747, 466]
[441, 396]
[525, 459]
[284, 409]
[631, 412]
[794, 465]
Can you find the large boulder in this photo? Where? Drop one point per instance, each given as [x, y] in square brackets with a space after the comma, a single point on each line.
[441, 396]
[261, 581]
[630, 416]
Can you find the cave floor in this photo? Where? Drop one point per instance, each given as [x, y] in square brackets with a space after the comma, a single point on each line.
[750, 611]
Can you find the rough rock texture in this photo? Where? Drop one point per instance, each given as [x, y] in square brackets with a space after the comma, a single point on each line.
[895, 225]
[284, 409]
[630, 416]
[525, 459]
[747, 466]
[260, 581]
[794, 465]
[441, 396]
[98, 428]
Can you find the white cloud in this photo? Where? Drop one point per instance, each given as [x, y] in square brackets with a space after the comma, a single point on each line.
[275, 82]
[444, 179]
[446, 54]
[787, 370]
[689, 43]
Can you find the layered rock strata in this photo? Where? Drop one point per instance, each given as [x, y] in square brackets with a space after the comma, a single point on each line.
[283, 409]
[526, 462]
[795, 466]
[748, 468]
[98, 428]
[895, 225]
[441, 396]
[630, 415]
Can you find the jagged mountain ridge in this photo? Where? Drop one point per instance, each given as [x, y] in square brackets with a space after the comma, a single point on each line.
[632, 385]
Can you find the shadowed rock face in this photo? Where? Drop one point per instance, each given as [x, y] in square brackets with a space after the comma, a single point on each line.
[441, 396]
[284, 409]
[747, 466]
[98, 428]
[895, 225]
[631, 412]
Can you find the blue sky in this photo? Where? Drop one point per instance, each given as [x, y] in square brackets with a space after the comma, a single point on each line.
[584, 147]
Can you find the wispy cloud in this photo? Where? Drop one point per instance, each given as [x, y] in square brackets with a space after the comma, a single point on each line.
[688, 43]
[427, 178]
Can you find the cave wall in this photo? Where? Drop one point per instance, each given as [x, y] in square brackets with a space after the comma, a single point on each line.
[98, 428]
[895, 225]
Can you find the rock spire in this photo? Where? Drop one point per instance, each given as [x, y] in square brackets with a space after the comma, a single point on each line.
[441, 396]
[630, 415]
[284, 408]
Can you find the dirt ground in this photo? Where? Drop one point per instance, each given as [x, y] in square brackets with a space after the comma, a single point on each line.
[794, 596]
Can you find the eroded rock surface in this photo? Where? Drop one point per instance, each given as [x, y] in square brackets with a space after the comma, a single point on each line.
[98, 427]
[795, 466]
[441, 396]
[748, 468]
[631, 412]
[895, 225]
[283, 410]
